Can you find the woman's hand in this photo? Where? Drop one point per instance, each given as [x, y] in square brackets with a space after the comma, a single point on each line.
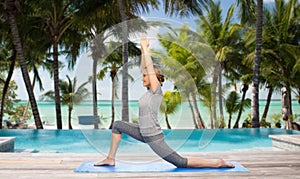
[144, 43]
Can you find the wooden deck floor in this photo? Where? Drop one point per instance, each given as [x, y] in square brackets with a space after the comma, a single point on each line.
[262, 164]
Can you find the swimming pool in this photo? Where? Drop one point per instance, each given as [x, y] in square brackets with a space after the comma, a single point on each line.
[94, 141]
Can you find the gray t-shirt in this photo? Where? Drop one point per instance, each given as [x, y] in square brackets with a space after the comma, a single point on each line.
[149, 105]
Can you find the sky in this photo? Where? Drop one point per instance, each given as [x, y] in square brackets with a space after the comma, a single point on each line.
[84, 64]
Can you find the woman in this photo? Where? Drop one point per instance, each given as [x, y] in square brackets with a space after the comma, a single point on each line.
[148, 129]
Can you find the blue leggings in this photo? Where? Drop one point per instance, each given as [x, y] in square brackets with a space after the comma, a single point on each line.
[156, 143]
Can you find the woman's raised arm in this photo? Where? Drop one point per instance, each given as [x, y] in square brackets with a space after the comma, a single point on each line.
[147, 64]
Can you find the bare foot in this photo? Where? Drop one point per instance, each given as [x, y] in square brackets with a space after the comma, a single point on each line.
[106, 162]
[223, 164]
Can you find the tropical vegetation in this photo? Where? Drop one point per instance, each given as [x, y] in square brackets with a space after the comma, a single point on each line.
[260, 49]
[169, 105]
[70, 95]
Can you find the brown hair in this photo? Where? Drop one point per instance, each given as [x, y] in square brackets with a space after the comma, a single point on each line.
[159, 74]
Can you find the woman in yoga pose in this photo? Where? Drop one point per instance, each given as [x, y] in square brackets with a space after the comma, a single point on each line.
[148, 129]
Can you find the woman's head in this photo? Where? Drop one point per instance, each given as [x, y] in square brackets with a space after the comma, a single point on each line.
[159, 76]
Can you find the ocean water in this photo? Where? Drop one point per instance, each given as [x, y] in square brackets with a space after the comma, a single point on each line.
[181, 119]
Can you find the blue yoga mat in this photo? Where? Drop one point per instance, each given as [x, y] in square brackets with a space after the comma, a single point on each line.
[123, 167]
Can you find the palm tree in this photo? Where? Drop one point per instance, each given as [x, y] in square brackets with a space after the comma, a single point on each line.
[280, 47]
[12, 7]
[130, 7]
[186, 96]
[282, 26]
[98, 29]
[97, 53]
[169, 104]
[5, 89]
[103, 22]
[125, 108]
[206, 100]
[244, 89]
[7, 60]
[182, 49]
[222, 37]
[256, 69]
[70, 95]
[58, 20]
[247, 13]
[184, 8]
[35, 47]
[237, 71]
[112, 64]
[232, 105]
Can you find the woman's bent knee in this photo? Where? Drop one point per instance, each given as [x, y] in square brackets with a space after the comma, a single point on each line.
[116, 127]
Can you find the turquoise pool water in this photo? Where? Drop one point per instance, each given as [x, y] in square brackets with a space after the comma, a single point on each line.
[93, 141]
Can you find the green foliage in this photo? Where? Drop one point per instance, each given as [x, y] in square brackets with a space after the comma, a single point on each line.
[277, 118]
[247, 122]
[264, 123]
[11, 111]
[70, 94]
[184, 55]
[277, 123]
[232, 104]
[17, 114]
[170, 102]
[220, 123]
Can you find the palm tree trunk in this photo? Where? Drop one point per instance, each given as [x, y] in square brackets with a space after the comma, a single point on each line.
[24, 118]
[214, 98]
[245, 89]
[256, 70]
[198, 116]
[70, 116]
[298, 96]
[56, 84]
[269, 97]
[211, 118]
[229, 121]
[125, 108]
[28, 102]
[6, 85]
[193, 114]
[167, 121]
[94, 88]
[19, 49]
[221, 98]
